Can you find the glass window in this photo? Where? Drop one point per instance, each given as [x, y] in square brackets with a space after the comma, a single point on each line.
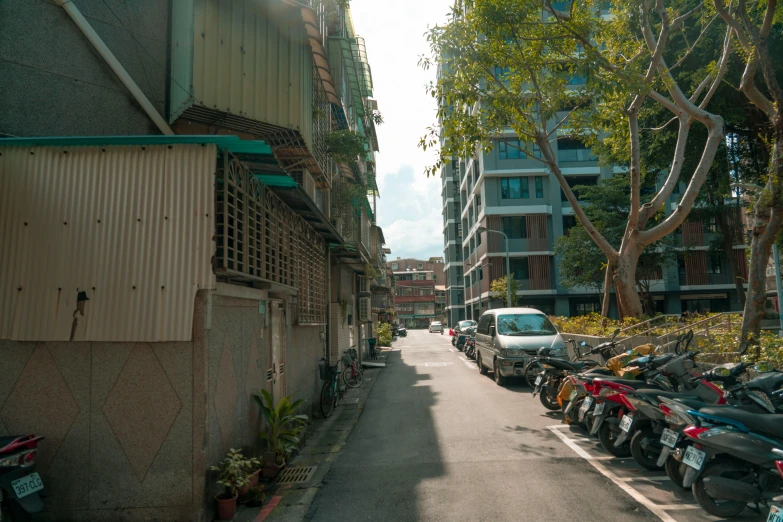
[573, 150]
[577, 181]
[511, 149]
[395, 266]
[569, 222]
[419, 265]
[483, 325]
[525, 324]
[712, 225]
[519, 267]
[514, 188]
[714, 266]
[539, 187]
[515, 227]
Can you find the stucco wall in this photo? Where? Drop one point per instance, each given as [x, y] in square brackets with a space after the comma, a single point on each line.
[119, 424]
[53, 82]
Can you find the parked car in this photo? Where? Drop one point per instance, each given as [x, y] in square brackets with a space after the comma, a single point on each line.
[507, 338]
[436, 326]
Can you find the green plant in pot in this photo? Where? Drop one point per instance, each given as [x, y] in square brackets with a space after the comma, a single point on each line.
[281, 430]
[234, 474]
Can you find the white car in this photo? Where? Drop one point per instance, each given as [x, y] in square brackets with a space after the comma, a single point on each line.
[436, 326]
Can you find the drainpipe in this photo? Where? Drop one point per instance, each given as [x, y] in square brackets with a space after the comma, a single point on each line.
[115, 65]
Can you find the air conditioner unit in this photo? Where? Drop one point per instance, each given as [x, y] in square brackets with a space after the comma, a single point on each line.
[365, 309]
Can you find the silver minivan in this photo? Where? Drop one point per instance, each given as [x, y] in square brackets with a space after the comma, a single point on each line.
[507, 338]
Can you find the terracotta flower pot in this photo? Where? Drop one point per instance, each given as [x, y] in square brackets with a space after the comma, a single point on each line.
[270, 469]
[226, 507]
[252, 484]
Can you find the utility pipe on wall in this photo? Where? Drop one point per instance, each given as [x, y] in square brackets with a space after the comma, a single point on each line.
[115, 65]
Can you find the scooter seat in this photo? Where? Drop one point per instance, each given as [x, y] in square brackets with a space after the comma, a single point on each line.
[762, 423]
[654, 392]
[581, 365]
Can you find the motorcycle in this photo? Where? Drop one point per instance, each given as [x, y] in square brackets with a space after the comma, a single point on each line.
[735, 459]
[470, 344]
[21, 488]
[462, 338]
[403, 332]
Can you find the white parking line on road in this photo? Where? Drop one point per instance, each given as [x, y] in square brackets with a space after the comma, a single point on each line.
[672, 507]
[647, 479]
[641, 499]
[452, 350]
[469, 364]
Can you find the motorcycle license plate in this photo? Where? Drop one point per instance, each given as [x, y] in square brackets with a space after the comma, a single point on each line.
[27, 485]
[573, 395]
[585, 406]
[539, 379]
[669, 438]
[775, 514]
[625, 422]
[599, 409]
[694, 458]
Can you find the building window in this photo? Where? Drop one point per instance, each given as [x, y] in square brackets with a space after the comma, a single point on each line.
[519, 268]
[569, 222]
[575, 182]
[515, 227]
[712, 225]
[419, 266]
[514, 188]
[714, 267]
[539, 187]
[510, 149]
[395, 266]
[573, 150]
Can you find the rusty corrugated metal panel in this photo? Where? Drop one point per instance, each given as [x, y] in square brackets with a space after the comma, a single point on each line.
[253, 58]
[131, 226]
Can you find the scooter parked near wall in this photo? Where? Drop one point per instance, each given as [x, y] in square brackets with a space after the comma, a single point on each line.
[21, 488]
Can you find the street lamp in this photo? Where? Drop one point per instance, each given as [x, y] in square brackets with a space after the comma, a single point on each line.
[508, 262]
[775, 257]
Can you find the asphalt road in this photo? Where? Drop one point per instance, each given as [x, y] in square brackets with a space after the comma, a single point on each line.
[439, 441]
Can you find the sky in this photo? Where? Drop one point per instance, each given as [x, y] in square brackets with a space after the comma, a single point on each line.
[409, 209]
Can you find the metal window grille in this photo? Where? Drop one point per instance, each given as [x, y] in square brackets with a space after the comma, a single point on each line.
[260, 238]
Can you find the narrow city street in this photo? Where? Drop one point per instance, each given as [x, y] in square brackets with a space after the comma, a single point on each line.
[439, 441]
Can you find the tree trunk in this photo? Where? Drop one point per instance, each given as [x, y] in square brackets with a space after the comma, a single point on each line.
[625, 279]
[756, 299]
[607, 290]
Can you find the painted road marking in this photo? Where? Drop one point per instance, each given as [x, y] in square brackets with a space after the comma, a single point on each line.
[469, 364]
[453, 350]
[603, 470]
[438, 364]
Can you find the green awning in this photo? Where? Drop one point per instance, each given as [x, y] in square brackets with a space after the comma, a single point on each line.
[226, 142]
[271, 180]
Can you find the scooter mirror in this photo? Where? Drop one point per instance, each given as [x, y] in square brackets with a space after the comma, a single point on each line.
[583, 343]
[743, 347]
[763, 367]
[722, 372]
[689, 336]
[616, 333]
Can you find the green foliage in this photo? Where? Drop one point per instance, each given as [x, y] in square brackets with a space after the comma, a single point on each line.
[283, 425]
[345, 146]
[384, 334]
[234, 471]
[499, 287]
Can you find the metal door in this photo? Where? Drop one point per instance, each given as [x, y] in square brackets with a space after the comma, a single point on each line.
[277, 323]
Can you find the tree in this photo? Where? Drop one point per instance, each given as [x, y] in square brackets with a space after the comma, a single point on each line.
[499, 287]
[575, 73]
[755, 26]
[582, 263]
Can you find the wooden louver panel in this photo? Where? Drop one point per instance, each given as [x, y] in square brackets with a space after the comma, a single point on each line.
[494, 241]
[693, 233]
[742, 265]
[696, 268]
[540, 273]
[537, 235]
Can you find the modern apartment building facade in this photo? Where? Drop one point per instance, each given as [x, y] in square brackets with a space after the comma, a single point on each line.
[503, 190]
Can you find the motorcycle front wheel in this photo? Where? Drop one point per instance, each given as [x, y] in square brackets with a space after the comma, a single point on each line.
[532, 371]
[645, 457]
[607, 437]
[549, 402]
[718, 507]
[675, 471]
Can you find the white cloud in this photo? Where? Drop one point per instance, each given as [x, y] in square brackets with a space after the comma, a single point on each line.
[409, 210]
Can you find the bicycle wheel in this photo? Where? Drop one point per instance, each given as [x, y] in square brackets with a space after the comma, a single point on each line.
[352, 377]
[327, 399]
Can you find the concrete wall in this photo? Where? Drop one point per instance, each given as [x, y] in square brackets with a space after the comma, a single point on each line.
[132, 428]
[53, 82]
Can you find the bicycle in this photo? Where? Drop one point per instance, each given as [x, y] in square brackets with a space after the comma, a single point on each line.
[331, 392]
[352, 374]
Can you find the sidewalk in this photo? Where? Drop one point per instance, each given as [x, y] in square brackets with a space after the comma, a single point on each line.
[325, 440]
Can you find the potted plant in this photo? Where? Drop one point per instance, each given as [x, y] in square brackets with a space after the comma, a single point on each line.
[281, 431]
[234, 472]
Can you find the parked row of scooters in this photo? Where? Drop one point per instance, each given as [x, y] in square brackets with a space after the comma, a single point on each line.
[465, 341]
[718, 433]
